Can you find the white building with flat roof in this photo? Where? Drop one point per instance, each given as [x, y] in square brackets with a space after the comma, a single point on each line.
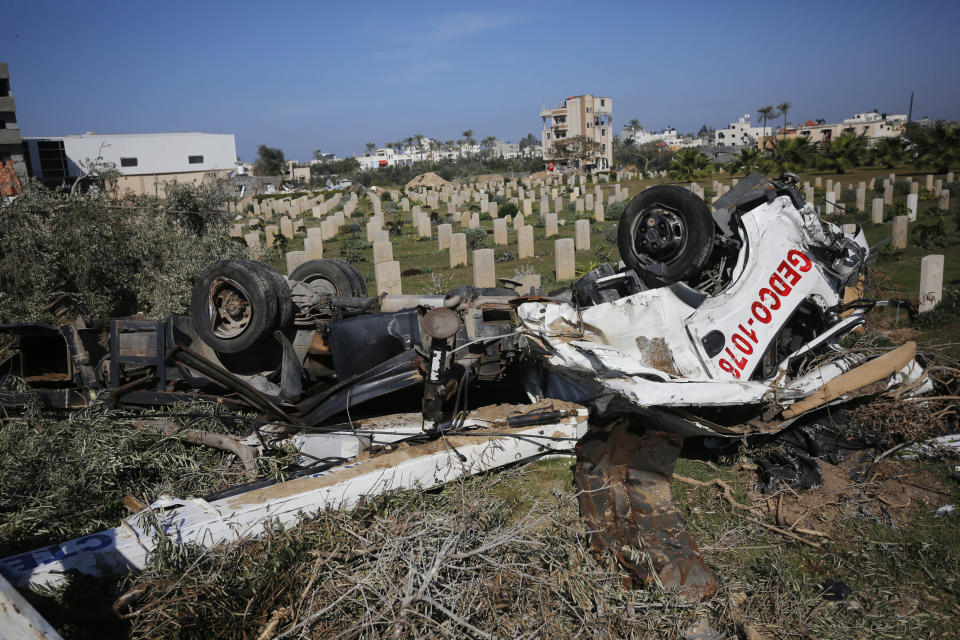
[144, 160]
[739, 134]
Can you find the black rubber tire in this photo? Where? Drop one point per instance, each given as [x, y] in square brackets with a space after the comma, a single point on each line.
[339, 279]
[359, 284]
[697, 244]
[285, 307]
[260, 295]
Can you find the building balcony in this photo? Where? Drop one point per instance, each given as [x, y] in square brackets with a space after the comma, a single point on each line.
[7, 105]
[10, 136]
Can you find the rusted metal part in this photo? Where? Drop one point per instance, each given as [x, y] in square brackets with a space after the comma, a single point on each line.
[623, 477]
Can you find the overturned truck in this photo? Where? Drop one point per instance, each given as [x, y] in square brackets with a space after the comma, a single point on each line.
[722, 322]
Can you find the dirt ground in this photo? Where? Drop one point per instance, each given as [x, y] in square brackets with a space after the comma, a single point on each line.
[892, 494]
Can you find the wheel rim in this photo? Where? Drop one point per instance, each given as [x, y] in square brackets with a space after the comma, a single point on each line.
[660, 234]
[325, 285]
[230, 308]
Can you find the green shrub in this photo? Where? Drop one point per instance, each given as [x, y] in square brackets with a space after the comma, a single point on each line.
[354, 250]
[946, 312]
[615, 210]
[508, 209]
[476, 239]
[112, 257]
[503, 255]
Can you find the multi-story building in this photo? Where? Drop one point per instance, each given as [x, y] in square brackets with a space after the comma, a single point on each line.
[146, 161]
[588, 116]
[739, 134]
[11, 145]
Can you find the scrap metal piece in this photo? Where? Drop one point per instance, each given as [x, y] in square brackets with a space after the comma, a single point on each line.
[623, 477]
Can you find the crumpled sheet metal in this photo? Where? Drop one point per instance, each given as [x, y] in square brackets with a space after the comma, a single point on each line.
[623, 477]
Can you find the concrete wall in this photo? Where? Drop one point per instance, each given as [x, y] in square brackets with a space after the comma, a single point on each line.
[154, 184]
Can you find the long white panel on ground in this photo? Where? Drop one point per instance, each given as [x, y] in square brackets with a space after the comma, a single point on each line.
[196, 521]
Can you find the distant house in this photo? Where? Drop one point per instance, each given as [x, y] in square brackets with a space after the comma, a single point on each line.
[146, 161]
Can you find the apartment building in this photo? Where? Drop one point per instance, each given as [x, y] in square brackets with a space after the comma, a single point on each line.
[741, 133]
[146, 161]
[586, 115]
[11, 145]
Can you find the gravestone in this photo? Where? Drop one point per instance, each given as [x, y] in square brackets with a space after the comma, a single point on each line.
[900, 232]
[500, 232]
[458, 250]
[525, 242]
[861, 196]
[888, 194]
[252, 239]
[387, 275]
[295, 259]
[313, 247]
[380, 236]
[943, 201]
[423, 227]
[931, 281]
[484, 272]
[912, 204]
[286, 227]
[581, 234]
[550, 225]
[382, 251]
[564, 259]
[444, 231]
[598, 210]
[271, 231]
[876, 213]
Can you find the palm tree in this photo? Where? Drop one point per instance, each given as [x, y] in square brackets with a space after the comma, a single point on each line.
[487, 144]
[793, 154]
[888, 152]
[689, 164]
[468, 137]
[749, 160]
[371, 147]
[937, 147]
[766, 113]
[634, 125]
[842, 153]
[783, 107]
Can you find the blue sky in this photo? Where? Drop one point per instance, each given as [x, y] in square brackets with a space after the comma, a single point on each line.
[302, 76]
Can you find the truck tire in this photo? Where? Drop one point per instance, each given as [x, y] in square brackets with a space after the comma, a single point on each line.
[359, 285]
[333, 276]
[285, 307]
[233, 306]
[665, 235]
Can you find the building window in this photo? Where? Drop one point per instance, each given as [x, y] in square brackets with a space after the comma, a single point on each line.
[128, 162]
[603, 132]
[195, 159]
[603, 102]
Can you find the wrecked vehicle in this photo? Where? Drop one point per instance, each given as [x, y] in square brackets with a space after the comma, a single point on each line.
[722, 322]
[740, 306]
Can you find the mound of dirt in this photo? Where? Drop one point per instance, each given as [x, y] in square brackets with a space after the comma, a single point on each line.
[893, 493]
[539, 175]
[429, 179]
[488, 177]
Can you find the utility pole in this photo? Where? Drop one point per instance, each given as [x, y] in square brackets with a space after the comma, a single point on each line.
[910, 115]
